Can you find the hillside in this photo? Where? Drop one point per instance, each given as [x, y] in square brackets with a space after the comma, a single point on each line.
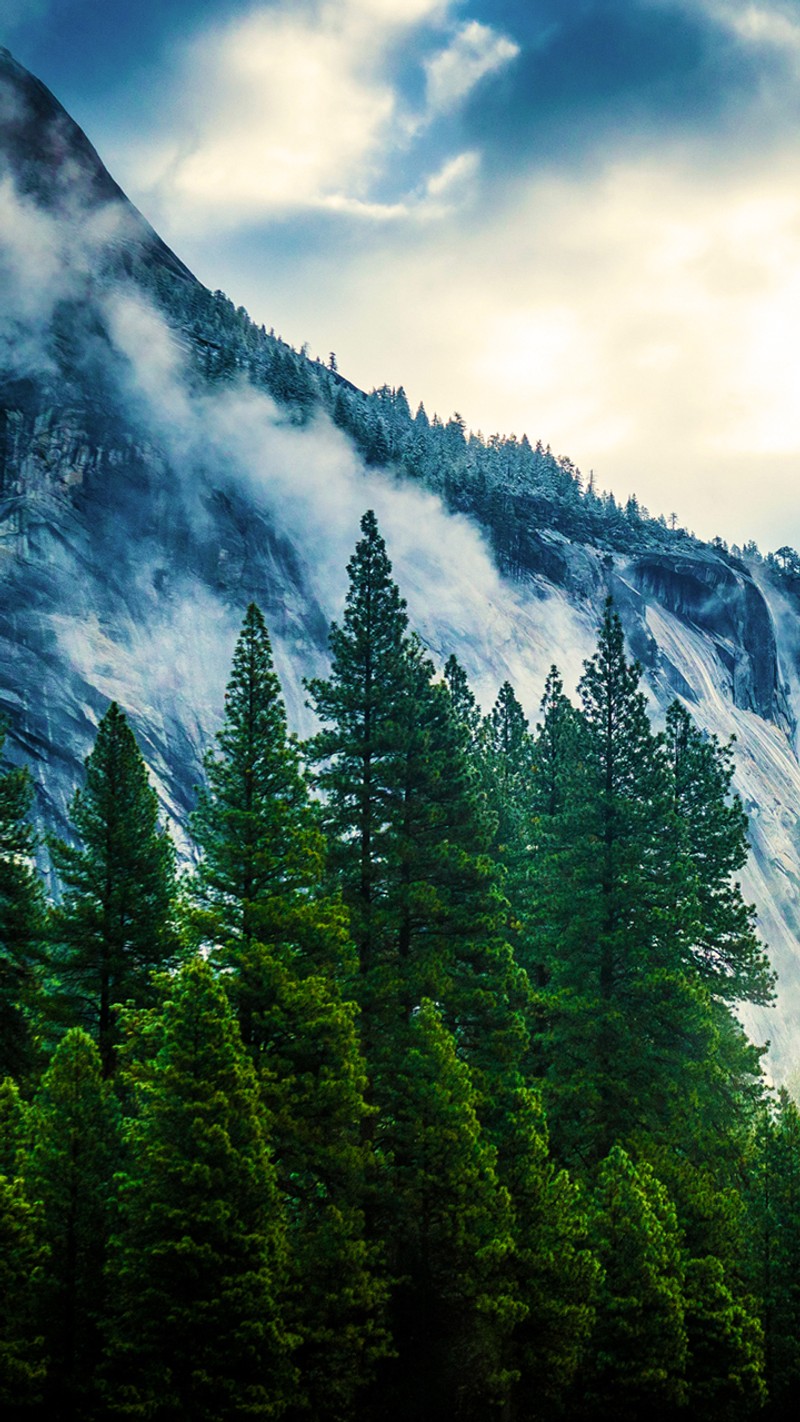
[163, 460]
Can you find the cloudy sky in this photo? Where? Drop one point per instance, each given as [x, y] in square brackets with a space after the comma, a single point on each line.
[574, 218]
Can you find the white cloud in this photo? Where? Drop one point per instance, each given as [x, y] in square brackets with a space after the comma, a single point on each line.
[643, 321]
[765, 25]
[453, 174]
[475, 51]
[45, 257]
[294, 108]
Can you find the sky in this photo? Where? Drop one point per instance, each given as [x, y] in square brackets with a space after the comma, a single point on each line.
[578, 219]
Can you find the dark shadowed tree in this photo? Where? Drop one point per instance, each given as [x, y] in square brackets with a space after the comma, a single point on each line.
[114, 924]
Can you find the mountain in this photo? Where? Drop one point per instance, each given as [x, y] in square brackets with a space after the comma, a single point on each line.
[163, 460]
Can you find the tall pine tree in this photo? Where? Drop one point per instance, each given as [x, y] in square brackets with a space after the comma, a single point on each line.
[282, 941]
[114, 924]
[197, 1260]
[21, 919]
[68, 1170]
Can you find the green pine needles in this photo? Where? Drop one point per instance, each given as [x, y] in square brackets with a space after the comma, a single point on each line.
[424, 1098]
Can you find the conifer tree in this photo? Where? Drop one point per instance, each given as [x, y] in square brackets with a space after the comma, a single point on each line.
[447, 1221]
[556, 788]
[774, 1217]
[263, 850]
[409, 833]
[638, 1350]
[68, 1170]
[113, 926]
[725, 1368]
[198, 1256]
[465, 706]
[555, 1275]
[626, 1022]
[361, 706]
[13, 1116]
[21, 919]
[283, 942]
[726, 951]
[23, 1258]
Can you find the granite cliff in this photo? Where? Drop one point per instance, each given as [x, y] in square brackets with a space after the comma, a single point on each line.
[163, 460]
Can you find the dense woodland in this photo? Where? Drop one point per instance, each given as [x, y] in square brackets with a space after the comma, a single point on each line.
[508, 485]
[422, 1096]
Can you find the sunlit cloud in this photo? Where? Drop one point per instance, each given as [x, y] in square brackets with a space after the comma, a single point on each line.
[644, 322]
[761, 24]
[295, 109]
[475, 51]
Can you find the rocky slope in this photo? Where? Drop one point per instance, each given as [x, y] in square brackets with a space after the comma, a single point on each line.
[159, 468]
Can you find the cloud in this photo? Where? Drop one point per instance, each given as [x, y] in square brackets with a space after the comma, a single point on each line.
[313, 489]
[642, 320]
[475, 51]
[759, 24]
[309, 107]
[45, 258]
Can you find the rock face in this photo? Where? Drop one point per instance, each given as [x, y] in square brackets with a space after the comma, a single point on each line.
[142, 504]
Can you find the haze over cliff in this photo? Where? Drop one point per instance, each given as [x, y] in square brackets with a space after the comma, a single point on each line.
[163, 461]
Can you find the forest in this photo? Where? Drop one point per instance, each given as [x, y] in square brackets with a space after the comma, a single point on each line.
[421, 1095]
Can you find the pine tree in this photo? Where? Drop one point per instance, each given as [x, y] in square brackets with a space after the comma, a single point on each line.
[774, 1217]
[726, 952]
[554, 814]
[627, 1025]
[465, 706]
[21, 919]
[263, 850]
[13, 1118]
[283, 943]
[638, 1353]
[198, 1257]
[447, 1221]
[68, 1170]
[555, 1275]
[361, 704]
[113, 926]
[725, 1346]
[410, 836]
[23, 1259]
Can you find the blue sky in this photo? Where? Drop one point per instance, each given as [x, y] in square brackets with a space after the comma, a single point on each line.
[577, 218]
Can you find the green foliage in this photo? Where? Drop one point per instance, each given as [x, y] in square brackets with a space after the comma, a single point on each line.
[281, 940]
[113, 926]
[68, 1170]
[311, 1226]
[360, 753]
[774, 1214]
[555, 1274]
[198, 1256]
[639, 1346]
[447, 1222]
[262, 846]
[726, 1346]
[726, 951]
[13, 1116]
[23, 1257]
[21, 920]
[625, 1025]
[409, 832]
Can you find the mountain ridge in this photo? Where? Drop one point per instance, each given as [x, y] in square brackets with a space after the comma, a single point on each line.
[165, 460]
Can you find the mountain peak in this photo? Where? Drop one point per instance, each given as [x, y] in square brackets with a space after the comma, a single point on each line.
[52, 161]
